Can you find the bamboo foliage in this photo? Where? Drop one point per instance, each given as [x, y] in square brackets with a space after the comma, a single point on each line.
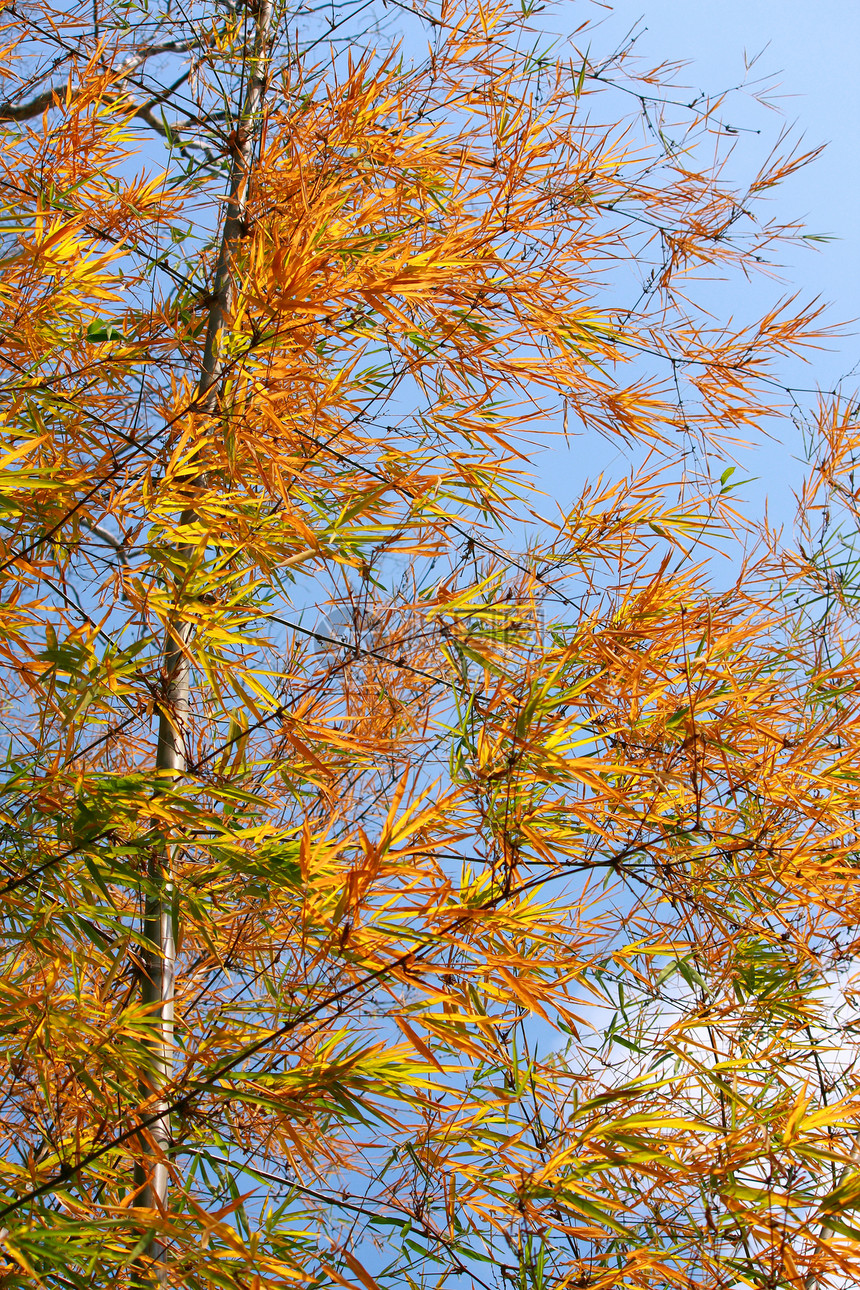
[501, 844]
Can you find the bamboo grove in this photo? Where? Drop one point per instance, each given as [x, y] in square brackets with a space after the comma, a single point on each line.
[414, 873]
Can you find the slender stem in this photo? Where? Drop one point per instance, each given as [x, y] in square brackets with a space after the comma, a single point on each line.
[242, 150]
[159, 957]
[159, 954]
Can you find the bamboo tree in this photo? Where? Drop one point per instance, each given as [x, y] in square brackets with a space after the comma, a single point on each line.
[514, 843]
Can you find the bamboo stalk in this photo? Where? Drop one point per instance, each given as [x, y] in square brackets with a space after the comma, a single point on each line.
[159, 956]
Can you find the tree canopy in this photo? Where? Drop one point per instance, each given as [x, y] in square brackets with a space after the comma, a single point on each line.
[426, 859]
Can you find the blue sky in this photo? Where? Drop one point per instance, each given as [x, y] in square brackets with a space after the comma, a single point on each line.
[805, 53]
[810, 49]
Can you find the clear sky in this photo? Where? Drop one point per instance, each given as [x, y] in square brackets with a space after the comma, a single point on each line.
[807, 53]
[811, 49]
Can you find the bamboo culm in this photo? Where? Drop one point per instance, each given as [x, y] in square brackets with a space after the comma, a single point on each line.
[159, 931]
